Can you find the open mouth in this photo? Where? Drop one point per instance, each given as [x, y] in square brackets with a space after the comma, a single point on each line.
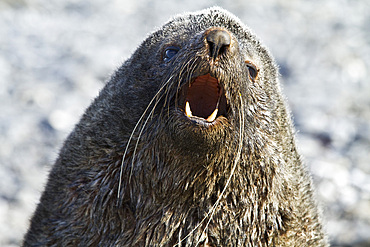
[204, 99]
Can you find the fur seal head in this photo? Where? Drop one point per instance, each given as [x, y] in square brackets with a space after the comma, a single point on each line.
[209, 70]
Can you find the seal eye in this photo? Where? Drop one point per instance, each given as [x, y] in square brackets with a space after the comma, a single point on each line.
[170, 52]
[252, 70]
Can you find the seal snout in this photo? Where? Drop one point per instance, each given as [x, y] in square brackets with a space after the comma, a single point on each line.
[218, 41]
[203, 98]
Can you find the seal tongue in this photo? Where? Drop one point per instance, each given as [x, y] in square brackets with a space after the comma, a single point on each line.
[203, 97]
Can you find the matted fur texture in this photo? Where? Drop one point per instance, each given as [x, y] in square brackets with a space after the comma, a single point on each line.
[137, 171]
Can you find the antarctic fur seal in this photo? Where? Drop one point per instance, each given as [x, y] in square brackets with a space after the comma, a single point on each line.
[189, 144]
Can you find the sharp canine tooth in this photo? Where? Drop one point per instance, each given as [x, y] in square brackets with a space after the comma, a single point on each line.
[187, 109]
[213, 115]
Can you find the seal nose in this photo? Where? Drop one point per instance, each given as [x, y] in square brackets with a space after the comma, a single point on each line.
[218, 40]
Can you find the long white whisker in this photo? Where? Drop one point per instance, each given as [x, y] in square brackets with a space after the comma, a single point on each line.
[237, 159]
[140, 133]
[180, 76]
[132, 134]
[241, 123]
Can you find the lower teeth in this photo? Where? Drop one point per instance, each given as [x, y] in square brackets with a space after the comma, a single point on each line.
[189, 114]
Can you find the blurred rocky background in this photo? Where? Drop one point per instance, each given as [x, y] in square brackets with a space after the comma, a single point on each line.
[56, 55]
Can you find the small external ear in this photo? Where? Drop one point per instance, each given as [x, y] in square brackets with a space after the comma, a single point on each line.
[252, 70]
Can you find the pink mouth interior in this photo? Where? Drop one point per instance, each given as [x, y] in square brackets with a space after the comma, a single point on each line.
[203, 95]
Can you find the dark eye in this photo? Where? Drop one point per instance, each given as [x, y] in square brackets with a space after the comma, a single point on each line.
[170, 52]
[252, 70]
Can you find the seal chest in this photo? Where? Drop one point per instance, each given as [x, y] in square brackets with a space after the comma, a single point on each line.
[189, 144]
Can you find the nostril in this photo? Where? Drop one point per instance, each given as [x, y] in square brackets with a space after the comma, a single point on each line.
[218, 40]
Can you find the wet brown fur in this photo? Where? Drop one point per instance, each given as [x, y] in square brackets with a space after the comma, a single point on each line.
[137, 172]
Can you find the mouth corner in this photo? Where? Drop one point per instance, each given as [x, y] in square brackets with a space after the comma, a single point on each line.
[203, 99]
